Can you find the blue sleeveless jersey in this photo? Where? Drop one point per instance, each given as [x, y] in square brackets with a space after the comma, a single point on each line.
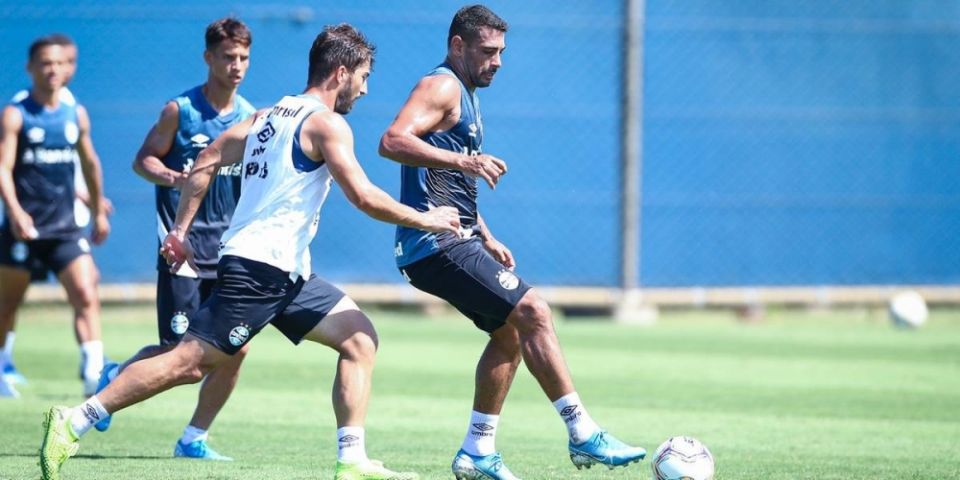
[43, 175]
[200, 125]
[423, 187]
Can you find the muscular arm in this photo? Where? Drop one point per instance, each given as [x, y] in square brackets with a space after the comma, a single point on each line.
[10, 126]
[159, 141]
[327, 136]
[93, 175]
[434, 105]
[227, 149]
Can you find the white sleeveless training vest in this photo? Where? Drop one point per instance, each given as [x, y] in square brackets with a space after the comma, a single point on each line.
[279, 208]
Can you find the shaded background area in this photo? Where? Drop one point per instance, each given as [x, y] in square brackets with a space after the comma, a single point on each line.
[785, 143]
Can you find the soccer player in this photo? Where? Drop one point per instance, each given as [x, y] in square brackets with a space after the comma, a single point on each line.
[81, 206]
[291, 153]
[42, 140]
[186, 125]
[437, 137]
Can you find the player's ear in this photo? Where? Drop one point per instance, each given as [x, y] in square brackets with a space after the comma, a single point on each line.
[343, 75]
[207, 56]
[456, 45]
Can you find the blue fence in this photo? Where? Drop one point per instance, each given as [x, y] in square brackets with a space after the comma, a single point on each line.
[797, 143]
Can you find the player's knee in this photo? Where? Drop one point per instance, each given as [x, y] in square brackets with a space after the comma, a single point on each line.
[361, 346]
[84, 298]
[533, 314]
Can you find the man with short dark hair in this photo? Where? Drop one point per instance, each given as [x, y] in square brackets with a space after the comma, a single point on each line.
[187, 124]
[45, 139]
[291, 154]
[437, 136]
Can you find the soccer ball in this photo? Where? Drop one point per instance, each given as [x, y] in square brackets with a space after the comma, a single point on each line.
[682, 458]
[908, 309]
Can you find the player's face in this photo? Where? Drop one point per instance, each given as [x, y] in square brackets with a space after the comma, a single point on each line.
[483, 56]
[353, 88]
[48, 68]
[71, 53]
[228, 62]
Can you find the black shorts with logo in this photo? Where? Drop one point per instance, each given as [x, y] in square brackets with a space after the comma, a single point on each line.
[178, 298]
[41, 256]
[469, 278]
[249, 294]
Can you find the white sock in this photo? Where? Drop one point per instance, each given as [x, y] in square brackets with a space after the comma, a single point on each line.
[91, 358]
[86, 415]
[8, 346]
[579, 424]
[350, 445]
[192, 434]
[481, 434]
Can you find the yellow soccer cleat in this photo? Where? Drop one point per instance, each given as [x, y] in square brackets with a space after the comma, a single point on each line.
[370, 470]
[59, 442]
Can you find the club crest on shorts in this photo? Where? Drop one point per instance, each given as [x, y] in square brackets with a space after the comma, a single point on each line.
[239, 335]
[179, 323]
[19, 252]
[508, 280]
[83, 244]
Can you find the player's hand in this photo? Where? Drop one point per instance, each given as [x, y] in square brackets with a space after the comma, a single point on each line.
[23, 228]
[176, 251]
[180, 180]
[488, 167]
[442, 219]
[101, 228]
[500, 252]
[106, 205]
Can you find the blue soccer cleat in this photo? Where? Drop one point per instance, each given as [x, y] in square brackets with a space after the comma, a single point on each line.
[471, 467]
[199, 450]
[12, 375]
[104, 424]
[605, 449]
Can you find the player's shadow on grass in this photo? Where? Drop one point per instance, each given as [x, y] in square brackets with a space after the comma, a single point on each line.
[87, 456]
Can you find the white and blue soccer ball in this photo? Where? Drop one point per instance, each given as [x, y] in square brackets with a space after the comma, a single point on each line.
[908, 309]
[682, 458]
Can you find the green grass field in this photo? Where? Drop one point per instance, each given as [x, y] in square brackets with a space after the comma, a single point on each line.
[835, 395]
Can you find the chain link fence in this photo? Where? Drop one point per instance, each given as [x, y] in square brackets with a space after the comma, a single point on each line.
[785, 143]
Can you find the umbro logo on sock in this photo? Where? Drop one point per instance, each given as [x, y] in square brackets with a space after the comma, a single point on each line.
[349, 440]
[91, 413]
[482, 430]
[570, 413]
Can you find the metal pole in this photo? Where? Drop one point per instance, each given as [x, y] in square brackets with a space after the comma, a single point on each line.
[630, 307]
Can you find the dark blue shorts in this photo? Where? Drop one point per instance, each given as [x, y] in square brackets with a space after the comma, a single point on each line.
[248, 295]
[178, 299]
[470, 279]
[40, 257]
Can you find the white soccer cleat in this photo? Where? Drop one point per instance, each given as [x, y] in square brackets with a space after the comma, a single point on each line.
[7, 390]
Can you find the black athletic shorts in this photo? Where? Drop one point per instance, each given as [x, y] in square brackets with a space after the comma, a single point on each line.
[178, 298]
[248, 295]
[470, 279]
[41, 256]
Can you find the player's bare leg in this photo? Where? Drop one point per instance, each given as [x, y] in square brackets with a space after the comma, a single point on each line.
[478, 456]
[79, 279]
[13, 286]
[216, 389]
[348, 331]
[541, 352]
[188, 362]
